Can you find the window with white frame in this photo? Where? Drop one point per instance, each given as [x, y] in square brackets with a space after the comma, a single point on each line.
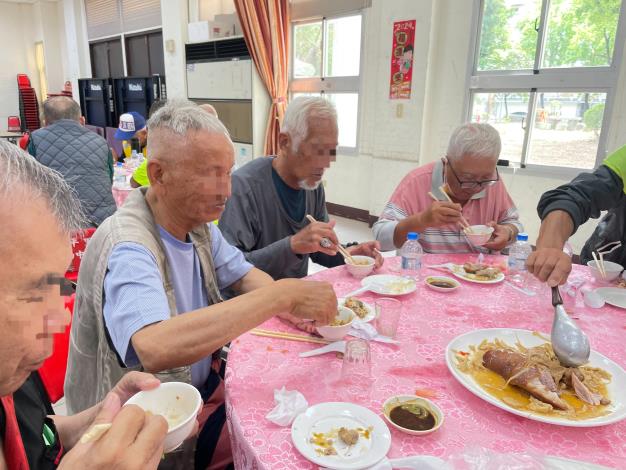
[327, 60]
[545, 75]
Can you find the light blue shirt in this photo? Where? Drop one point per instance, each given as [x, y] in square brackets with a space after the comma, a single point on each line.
[135, 297]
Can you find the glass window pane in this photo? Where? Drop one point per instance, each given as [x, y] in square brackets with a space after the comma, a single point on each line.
[347, 105]
[581, 33]
[308, 50]
[507, 113]
[567, 129]
[343, 46]
[508, 39]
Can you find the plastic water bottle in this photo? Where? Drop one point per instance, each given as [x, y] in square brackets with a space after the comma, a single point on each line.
[411, 255]
[133, 162]
[119, 175]
[518, 254]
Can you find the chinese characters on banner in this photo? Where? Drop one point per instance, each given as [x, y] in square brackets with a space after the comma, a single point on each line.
[402, 60]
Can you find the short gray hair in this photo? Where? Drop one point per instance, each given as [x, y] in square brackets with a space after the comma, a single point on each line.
[182, 116]
[60, 107]
[299, 113]
[476, 140]
[18, 168]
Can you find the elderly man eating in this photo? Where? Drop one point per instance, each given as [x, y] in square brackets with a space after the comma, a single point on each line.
[469, 176]
[148, 294]
[37, 206]
[266, 217]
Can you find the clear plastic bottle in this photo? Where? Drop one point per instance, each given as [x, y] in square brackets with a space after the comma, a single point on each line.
[133, 161]
[411, 256]
[119, 176]
[518, 254]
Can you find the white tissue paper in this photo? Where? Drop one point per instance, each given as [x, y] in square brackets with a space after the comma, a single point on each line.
[363, 330]
[416, 462]
[289, 404]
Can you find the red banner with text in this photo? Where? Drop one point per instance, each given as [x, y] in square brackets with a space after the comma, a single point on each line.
[402, 60]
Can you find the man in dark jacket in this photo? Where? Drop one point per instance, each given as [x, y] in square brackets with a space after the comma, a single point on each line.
[39, 212]
[565, 208]
[82, 157]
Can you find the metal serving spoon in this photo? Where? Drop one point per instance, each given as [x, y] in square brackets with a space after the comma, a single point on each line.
[570, 343]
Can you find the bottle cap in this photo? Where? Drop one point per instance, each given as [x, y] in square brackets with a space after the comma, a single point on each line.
[412, 236]
[522, 237]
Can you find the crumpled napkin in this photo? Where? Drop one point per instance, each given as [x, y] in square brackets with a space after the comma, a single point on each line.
[367, 331]
[416, 462]
[289, 404]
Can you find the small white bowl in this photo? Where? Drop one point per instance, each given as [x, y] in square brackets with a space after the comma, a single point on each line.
[336, 333]
[478, 234]
[360, 270]
[179, 403]
[429, 405]
[456, 284]
[613, 270]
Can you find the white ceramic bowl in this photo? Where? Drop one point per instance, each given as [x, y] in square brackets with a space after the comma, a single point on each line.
[360, 270]
[179, 403]
[429, 405]
[446, 279]
[336, 333]
[613, 270]
[478, 234]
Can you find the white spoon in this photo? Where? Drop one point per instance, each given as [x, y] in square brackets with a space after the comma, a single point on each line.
[337, 346]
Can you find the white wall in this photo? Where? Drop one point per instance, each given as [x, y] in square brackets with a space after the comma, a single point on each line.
[17, 55]
[392, 146]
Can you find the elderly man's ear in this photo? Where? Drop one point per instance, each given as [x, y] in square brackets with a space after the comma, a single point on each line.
[82, 120]
[284, 141]
[155, 172]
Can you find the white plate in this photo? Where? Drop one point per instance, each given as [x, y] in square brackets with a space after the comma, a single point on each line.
[616, 387]
[326, 416]
[384, 280]
[459, 272]
[371, 313]
[615, 296]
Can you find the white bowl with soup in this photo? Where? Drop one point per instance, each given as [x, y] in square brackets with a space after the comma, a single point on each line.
[339, 327]
[478, 235]
[362, 266]
[179, 403]
[612, 270]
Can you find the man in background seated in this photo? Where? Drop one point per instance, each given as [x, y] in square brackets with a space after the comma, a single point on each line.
[468, 173]
[131, 126]
[81, 156]
[38, 213]
[266, 215]
[567, 207]
[140, 175]
[149, 286]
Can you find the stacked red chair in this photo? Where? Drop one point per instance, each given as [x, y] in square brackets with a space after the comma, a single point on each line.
[29, 107]
[79, 245]
[14, 124]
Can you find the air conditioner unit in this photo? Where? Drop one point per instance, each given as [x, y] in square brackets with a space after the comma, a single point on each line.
[221, 73]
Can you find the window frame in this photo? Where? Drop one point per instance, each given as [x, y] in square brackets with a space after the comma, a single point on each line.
[593, 79]
[330, 85]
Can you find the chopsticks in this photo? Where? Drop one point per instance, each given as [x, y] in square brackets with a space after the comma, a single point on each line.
[287, 336]
[341, 249]
[599, 264]
[604, 250]
[466, 225]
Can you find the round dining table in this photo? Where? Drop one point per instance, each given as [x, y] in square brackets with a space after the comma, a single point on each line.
[257, 366]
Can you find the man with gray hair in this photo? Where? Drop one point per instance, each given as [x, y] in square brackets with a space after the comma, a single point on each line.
[38, 214]
[266, 215]
[81, 156]
[469, 176]
[149, 286]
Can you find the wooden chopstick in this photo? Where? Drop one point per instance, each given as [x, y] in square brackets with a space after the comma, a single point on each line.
[598, 265]
[340, 248]
[288, 336]
[602, 263]
[464, 221]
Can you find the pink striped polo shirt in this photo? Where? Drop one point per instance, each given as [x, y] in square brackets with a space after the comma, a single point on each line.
[411, 197]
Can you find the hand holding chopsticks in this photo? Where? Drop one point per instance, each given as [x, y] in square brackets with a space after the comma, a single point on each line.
[340, 248]
[463, 222]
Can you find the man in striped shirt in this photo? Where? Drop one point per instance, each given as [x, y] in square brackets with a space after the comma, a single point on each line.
[471, 179]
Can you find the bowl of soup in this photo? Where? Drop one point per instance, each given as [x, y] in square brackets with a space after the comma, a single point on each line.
[179, 403]
[478, 235]
[340, 325]
[442, 283]
[361, 267]
[413, 415]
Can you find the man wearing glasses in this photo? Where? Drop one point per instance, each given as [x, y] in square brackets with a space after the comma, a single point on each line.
[470, 178]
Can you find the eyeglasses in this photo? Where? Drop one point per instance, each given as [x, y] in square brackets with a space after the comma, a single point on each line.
[474, 184]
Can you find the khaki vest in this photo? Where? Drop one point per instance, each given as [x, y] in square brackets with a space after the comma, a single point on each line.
[93, 367]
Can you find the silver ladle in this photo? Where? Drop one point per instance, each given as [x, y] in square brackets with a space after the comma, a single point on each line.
[570, 343]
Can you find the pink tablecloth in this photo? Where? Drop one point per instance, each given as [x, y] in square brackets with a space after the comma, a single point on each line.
[120, 195]
[257, 366]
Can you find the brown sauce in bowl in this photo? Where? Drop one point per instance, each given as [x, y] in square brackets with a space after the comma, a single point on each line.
[442, 284]
[413, 417]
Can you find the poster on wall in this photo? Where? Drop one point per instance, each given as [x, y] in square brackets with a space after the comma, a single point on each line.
[402, 60]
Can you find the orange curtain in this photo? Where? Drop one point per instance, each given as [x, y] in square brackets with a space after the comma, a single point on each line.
[266, 28]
